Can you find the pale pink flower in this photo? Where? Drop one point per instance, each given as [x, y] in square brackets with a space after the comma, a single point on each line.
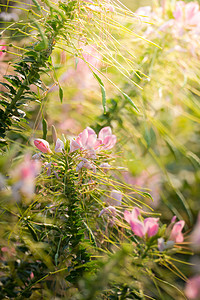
[195, 236]
[59, 147]
[25, 175]
[192, 290]
[176, 233]
[87, 140]
[107, 138]
[187, 14]
[42, 145]
[147, 227]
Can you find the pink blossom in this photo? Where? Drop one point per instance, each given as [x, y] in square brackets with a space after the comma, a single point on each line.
[176, 233]
[42, 145]
[187, 14]
[147, 227]
[2, 47]
[107, 138]
[59, 147]
[25, 175]
[192, 290]
[195, 236]
[87, 140]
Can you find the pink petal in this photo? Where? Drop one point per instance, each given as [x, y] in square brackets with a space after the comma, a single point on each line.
[178, 13]
[151, 226]
[104, 132]
[109, 142]
[42, 145]
[137, 228]
[59, 147]
[74, 146]
[97, 143]
[176, 233]
[84, 137]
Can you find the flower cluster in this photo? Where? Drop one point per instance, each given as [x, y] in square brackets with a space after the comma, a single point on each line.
[148, 227]
[87, 142]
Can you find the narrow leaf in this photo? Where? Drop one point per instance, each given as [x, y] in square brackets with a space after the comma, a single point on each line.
[130, 101]
[44, 126]
[103, 91]
[61, 94]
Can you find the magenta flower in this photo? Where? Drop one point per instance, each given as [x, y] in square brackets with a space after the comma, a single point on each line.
[176, 233]
[42, 145]
[147, 227]
[192, 290]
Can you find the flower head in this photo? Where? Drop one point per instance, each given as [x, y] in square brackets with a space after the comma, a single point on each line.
[147, 227]
[87, 140]
[187, 14]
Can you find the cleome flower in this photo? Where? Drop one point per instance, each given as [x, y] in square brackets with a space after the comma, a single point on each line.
[88, 140]
[187, 14]
[147, 227]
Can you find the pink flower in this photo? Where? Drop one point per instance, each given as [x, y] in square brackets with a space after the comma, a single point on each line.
[195, 236]
[192, 290]
[42, 145]
[2, 54]
[147, 227]
[87, 140]
[25, 175]
[176, 233]
[187, 14]
[107, 138]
